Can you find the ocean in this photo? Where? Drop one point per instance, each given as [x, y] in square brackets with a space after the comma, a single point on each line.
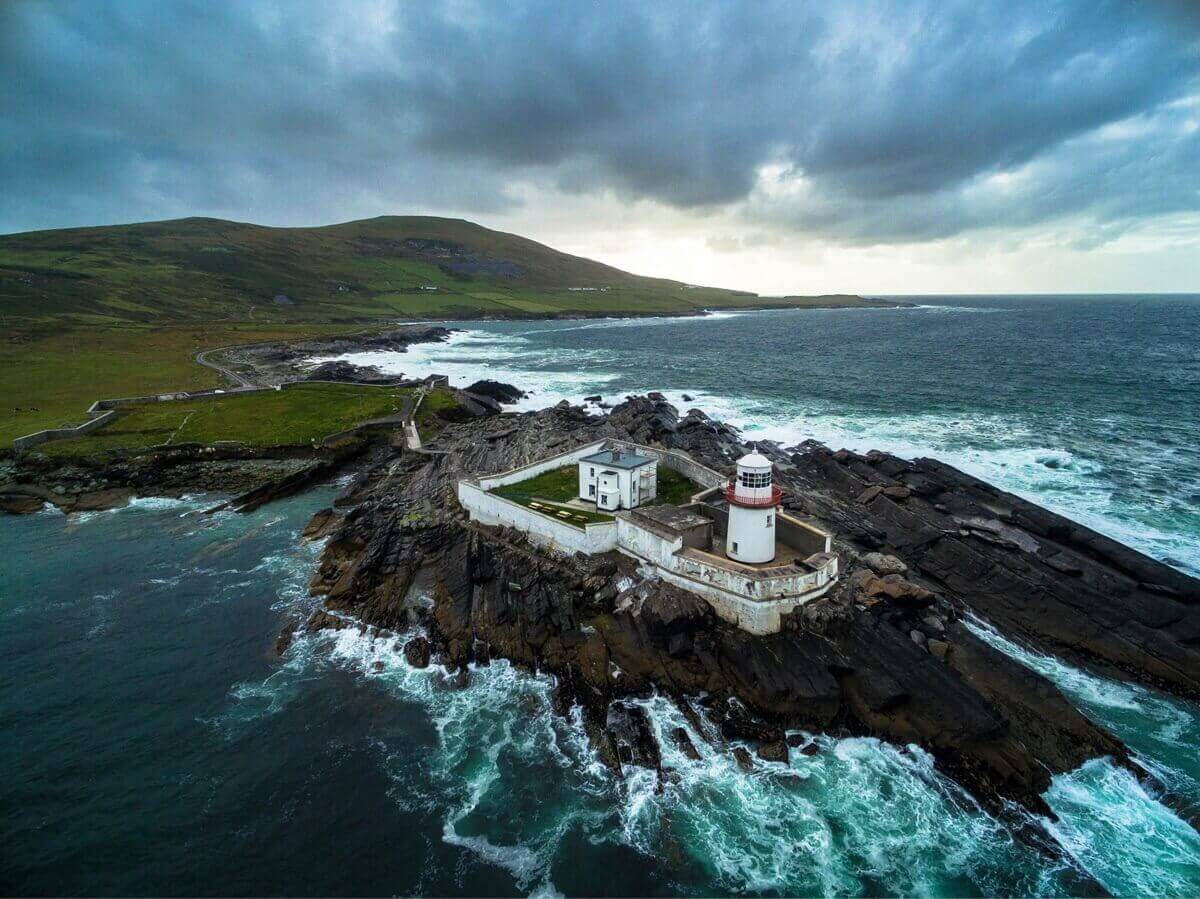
[156, 745]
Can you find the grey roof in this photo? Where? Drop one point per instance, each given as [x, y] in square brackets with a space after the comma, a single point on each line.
[626, 459]
[675, 517]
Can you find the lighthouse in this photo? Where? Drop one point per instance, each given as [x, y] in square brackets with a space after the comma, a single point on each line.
[753, 499]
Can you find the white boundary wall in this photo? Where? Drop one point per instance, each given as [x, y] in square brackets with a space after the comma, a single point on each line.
[489, 509]
[754, 604]
[528, 471]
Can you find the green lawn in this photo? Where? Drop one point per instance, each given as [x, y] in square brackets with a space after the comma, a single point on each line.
[294, 416]
[673, 488]
[561, 485]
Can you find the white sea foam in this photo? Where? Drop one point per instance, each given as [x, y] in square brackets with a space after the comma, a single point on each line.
[1121, 834]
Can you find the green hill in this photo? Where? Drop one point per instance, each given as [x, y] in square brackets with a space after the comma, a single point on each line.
[197, 269]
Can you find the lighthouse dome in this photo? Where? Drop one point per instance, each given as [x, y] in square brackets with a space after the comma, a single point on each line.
[754, 460]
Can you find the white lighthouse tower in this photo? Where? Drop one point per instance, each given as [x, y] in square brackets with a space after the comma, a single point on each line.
[753, 499]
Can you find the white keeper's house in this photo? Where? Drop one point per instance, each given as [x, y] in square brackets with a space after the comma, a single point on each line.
[615, 479]
[729, 541]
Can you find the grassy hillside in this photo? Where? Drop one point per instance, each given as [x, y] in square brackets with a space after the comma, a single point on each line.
[194, 270]
[121, 310]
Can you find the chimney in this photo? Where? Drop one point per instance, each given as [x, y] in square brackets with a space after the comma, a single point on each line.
[616, 453]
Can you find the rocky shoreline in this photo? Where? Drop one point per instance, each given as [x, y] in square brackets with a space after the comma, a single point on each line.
[269, 364]
[887, 653]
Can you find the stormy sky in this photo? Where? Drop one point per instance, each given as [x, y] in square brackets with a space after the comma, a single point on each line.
[873, 147]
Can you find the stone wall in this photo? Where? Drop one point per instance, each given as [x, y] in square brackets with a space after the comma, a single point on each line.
[31, 440]
[543, 530]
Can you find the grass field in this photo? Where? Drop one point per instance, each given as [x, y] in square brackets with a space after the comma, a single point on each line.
[295, 416]
[51, 381]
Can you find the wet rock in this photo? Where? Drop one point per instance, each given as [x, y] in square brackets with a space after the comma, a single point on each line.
[776, 751]
[322, 524]
[496, 390]
[882, 563]
[681, 739]
[417, 652]
[20, 504]
[938, 649]
[322, 620]
[743, 758]
[630, 729]
[286, 636]
[810, 748]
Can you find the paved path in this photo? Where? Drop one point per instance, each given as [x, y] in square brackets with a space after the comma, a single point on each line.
[231, 375]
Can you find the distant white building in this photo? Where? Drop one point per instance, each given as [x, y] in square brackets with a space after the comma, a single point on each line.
[618, 479]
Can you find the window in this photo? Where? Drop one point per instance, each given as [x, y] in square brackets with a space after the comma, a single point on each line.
[733, 547]
[591, 489]
[754, 479]
[768, 521]
[591, 472]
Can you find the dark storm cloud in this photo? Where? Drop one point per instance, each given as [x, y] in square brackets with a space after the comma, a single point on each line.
[863, 122]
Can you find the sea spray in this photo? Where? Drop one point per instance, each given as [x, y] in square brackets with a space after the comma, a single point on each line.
[515, 782]
[1112, 825]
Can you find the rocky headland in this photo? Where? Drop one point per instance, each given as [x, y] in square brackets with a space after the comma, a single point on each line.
[275, 363]
[889, 652]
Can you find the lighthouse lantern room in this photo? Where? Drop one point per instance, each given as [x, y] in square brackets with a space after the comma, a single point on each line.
[753, 501]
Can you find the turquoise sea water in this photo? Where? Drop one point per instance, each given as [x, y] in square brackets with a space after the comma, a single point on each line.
[155, 745]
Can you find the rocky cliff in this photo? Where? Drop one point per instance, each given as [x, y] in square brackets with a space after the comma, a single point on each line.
[886, 653]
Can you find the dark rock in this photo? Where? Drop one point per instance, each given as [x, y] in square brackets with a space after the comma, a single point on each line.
[496, 390]
[347, 372]
[681, 739]
[594, 398]
[417, 652]
[286, 636]
[810, 748]
[321, 620]
[795, 740]
[744, 760]
[21, 503]
[776, 751]
[322, 524]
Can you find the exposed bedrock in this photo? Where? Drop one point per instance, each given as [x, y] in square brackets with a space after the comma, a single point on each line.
[886, 653]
